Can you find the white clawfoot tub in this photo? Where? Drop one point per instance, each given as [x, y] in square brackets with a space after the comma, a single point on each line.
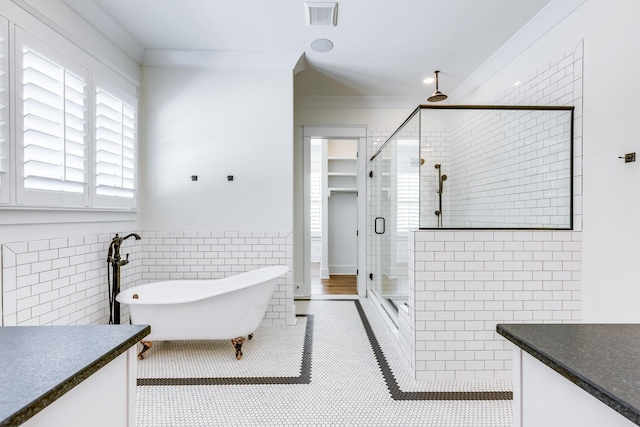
[217, 309]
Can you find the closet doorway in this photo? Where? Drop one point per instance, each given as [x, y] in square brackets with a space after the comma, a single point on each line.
[335, 246]
[334, 216]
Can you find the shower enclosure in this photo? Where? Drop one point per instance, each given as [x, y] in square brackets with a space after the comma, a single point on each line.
[465, 167]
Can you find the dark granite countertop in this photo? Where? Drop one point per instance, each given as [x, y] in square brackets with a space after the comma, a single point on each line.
[602, 359]
[38, 364]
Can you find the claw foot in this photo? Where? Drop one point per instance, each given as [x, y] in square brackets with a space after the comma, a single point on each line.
[237, 343]
[146, 345]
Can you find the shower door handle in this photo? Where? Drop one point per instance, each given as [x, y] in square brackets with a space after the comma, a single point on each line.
[379, 224]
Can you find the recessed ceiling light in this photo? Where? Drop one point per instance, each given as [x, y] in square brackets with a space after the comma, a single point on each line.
[321, 45]
[429, 80]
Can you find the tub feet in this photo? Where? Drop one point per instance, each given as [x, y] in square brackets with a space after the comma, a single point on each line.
[237, 343]
[146, 345]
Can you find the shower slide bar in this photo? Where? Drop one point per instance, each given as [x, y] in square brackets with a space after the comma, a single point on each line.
[441, 179]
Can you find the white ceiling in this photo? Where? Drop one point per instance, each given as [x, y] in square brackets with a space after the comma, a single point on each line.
[381, 48]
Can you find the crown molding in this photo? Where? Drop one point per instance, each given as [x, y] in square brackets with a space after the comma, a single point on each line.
[91, 12]
[211, 58]
[389, 102]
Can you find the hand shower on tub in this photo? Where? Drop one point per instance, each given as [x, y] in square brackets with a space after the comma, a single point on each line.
[441, 179]
[115, 261]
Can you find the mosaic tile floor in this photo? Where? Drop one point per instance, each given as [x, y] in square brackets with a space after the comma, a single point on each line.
[356, 379]
[274, 354]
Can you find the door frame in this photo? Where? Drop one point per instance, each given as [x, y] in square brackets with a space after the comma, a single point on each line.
[355, 132]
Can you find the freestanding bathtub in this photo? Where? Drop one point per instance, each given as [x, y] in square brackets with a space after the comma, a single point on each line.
[217, 309]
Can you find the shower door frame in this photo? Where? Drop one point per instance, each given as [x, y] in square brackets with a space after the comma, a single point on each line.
[569, 108]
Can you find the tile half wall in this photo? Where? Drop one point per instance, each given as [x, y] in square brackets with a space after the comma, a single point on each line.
[63, 281]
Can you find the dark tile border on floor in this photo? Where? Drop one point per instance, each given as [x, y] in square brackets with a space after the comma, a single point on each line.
[303, 378]
[305, 372]
[393, 386]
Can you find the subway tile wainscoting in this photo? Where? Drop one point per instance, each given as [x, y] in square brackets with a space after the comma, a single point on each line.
[462, 283]
[63, 281]
[169, 255]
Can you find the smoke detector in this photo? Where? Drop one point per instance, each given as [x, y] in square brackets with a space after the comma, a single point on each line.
[321, 13]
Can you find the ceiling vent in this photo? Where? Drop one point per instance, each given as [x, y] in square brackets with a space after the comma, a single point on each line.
[321, 13]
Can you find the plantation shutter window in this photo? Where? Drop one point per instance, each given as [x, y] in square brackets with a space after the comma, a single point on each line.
[315, 187]
[115, 147]
[52, 126]
[408, 209]
[408, 186]
[54, 106]
[5, 176]
[73, 138]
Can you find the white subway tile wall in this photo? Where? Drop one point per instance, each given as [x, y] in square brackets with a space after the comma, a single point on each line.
[557, 82]
[64, 281]
[509, 168]
[463, 283]
[169, 255]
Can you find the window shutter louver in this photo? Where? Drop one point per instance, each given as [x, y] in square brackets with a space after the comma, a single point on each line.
[115, 146]
[316, 204]
[408, 208]
[4, 112]
[54, 114]
[407, 186]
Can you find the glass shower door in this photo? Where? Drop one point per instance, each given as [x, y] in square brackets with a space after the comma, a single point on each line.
[395, 204]
[383, 221]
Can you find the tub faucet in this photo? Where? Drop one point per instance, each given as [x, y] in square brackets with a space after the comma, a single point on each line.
[115, 261]
[114, 248]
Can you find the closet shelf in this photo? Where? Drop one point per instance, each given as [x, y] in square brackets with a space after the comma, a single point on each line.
[342, 174]
[341, 190]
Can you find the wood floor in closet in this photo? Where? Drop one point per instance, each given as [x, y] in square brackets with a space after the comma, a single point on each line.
[334, 285]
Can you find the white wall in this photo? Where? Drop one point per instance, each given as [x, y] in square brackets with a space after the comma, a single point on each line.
[213, 123]
[611, 201]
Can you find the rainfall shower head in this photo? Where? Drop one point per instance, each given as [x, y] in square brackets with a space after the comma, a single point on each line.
[437, 95]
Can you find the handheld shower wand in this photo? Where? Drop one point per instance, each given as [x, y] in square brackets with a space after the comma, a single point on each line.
[442, 179]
